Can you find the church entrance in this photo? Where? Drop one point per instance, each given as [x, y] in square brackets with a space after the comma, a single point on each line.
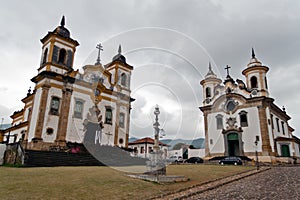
[233, 144]
[285, 150]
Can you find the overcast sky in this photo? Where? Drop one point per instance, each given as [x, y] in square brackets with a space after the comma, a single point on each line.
[168, 42]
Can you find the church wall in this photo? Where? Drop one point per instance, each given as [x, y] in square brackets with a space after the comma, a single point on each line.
[271, 135]
[25, 115]
[122, 130]
[248, 135]
[279, 133]
[51, 121]
[35, 113]
[250, 132]
[215, 135]
[75, 128]
[17, 133]
[297, 149]
[109, 129]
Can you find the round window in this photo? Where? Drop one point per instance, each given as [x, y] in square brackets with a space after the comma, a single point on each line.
[121, 141]
[230, 106]
[49, 131]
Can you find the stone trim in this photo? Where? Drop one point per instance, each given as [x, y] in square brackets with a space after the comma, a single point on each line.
[263, 122]
[42, 110]
[63, 117]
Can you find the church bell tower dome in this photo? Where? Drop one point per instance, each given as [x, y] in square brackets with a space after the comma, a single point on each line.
[209, 83]
[62, 30]
[256, 77]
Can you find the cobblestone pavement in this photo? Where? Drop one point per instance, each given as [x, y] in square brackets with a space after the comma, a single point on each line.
[276, 183]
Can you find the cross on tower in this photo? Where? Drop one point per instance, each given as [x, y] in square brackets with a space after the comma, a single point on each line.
[100, 48]
[227, 69]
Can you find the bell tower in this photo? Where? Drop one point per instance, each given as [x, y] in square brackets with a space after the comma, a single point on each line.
[209, 83]
[58, 50]
[256, 77]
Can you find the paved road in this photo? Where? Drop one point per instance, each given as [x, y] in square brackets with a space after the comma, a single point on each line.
[276, 183]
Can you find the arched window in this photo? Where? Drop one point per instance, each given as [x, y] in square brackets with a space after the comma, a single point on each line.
[208, 92]
[219, 119]
[54, 107]
[122, 120]
[123, 79]
[62, 56]
[45, 56]
[108, 115]
[253, 82]
[78, 109]
[243, 119]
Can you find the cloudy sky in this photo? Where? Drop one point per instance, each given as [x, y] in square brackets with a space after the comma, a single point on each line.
[168, 42]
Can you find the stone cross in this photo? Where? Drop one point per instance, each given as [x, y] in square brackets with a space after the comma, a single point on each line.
[227, 69]
[100, 48]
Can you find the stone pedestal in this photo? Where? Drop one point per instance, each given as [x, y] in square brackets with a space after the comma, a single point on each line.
[156, 165]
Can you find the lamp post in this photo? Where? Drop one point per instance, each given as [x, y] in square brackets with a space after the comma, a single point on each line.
[156, 129]
[256, 154]
[157, 161]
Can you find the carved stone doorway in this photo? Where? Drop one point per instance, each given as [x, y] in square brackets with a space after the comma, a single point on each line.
[233, 144]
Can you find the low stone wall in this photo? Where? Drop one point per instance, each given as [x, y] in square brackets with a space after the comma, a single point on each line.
[2, 151]
[159, 178]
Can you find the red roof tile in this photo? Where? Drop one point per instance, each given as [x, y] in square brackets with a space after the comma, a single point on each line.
[145, 140]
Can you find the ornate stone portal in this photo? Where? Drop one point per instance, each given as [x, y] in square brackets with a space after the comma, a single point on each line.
[233, 138]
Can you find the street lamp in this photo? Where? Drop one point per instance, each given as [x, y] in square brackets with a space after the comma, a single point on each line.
[256, 153]
[156, 129]
[156, 160]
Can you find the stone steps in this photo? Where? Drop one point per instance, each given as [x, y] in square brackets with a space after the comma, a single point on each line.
[96, 156]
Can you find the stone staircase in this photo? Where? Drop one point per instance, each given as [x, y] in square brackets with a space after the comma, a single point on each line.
[96, 156]
[51, 159]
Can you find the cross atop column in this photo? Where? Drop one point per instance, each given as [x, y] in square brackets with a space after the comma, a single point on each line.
[227, 69]
[100, 48]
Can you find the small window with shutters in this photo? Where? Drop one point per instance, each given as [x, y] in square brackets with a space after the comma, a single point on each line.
[219, 119]
[54, 107]
[243, 119]
[78, 109]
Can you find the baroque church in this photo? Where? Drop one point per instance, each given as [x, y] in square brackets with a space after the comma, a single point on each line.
[240, 118]
[64, 101]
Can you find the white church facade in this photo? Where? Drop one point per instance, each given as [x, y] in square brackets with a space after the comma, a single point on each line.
[65, 100]
[240, 118]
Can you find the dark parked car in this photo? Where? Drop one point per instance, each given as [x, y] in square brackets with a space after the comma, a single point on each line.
[231, 160]
[194, 160]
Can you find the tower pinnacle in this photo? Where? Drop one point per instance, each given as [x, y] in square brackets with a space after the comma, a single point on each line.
[62, 22]
[120, 49]
[253, 54]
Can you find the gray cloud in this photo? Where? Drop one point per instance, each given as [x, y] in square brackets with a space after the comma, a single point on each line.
[225, 31]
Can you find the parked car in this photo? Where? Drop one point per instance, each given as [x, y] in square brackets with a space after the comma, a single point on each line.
[175, 159]
[231, 160]
[194, 160]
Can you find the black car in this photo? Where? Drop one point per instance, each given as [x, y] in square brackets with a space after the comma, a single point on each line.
[231, 160]
[194, 160]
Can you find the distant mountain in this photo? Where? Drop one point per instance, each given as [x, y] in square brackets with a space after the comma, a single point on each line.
[197, 143]
[5, 126]
[132, 139]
